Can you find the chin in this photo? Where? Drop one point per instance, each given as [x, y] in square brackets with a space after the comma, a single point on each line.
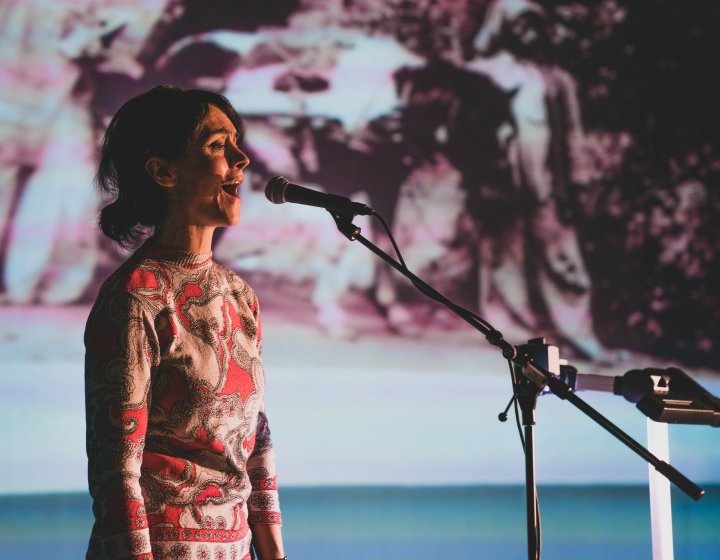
[233, 220]
[228, 216]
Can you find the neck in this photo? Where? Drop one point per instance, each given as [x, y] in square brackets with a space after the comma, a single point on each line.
[194, 239]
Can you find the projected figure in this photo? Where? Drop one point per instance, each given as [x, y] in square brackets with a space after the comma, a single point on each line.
[180, 459]
[454, 126]
[534, 273]
[49, 242]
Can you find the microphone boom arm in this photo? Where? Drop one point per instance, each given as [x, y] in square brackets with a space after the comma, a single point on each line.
[533, 371]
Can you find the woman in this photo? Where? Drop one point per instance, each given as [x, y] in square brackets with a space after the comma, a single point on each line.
[181, 463]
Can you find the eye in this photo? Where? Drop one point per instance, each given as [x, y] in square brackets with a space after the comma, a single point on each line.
[217, 146]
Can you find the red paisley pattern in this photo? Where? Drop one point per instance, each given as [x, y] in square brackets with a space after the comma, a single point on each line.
[180, 460]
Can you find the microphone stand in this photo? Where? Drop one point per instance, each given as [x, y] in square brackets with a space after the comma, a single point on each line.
[527, 394]
[535, 378]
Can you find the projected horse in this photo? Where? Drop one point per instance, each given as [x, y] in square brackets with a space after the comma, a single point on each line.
[433, 166]
[448, 177]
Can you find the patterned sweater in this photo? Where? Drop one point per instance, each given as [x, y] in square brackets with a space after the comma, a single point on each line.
[180, 461]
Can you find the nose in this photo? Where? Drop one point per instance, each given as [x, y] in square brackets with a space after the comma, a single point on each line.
[237, 158]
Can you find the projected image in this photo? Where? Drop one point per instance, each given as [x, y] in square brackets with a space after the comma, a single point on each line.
[552, 166]
[490, 136]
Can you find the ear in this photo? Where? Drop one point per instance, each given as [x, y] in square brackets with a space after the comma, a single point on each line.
[161, 172]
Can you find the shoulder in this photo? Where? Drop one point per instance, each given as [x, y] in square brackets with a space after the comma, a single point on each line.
[501, 67]
[127, 275]
[133, 286]
[232, 278]
[560, 76]
[238, 287]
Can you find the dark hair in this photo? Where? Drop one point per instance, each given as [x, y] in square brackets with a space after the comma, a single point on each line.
[160, 122]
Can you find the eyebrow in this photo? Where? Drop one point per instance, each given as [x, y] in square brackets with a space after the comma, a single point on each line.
[205, 134]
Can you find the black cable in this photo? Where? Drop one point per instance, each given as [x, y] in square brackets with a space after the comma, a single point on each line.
[518, 423]
[468, 315]
[392, 239]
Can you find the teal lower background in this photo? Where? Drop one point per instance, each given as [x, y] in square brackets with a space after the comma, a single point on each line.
[457, 522]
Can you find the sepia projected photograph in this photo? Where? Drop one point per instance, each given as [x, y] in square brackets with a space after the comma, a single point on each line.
[418, 199]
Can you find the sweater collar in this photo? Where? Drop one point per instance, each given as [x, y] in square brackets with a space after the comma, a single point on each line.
[175, 256]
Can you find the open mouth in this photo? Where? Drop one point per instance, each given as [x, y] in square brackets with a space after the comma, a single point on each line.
[233, 189]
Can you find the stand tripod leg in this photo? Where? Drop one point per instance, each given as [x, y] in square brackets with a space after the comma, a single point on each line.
[527, 398]
[531, 493]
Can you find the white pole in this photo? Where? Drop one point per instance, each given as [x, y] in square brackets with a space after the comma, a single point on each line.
[660, 504]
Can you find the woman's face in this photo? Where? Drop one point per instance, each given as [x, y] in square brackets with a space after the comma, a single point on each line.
[209, 175]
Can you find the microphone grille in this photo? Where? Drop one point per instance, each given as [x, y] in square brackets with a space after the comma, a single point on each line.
[275, 189]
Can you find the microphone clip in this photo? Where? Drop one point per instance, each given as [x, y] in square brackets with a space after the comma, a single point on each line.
[343, 221]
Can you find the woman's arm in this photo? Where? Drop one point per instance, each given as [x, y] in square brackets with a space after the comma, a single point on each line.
[120, 352]
[267, 541]
[264, 506]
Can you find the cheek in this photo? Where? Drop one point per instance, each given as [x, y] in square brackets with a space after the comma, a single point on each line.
[210, 166]
[203, 178]
[209, 175]
[219, 166]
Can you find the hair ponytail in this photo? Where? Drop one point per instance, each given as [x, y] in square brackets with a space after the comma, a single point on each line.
[119, 221]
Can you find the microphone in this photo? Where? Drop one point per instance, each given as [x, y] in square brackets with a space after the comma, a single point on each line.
[279, 191]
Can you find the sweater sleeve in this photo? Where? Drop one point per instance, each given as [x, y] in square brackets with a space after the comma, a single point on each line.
[264, 503]
[121, 350]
